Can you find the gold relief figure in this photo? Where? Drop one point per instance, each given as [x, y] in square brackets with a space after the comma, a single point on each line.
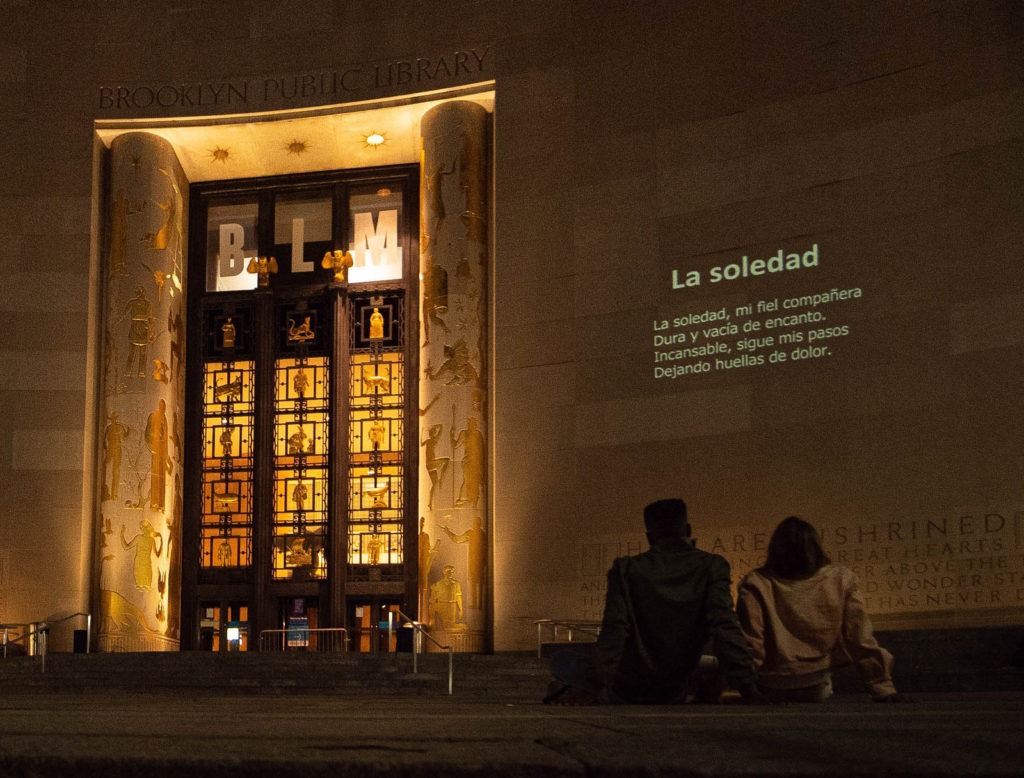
[161, 371]
[339, 261]
[301, 333]
[300, 382]
[298, 553]
[160, 278]
[376, 382]
[473, 451]
[230, 392]
[227, 334]
[120, 615]
[114, 433]
[176, 328]
[435, 196]
[456, 368]
[161, 239]
[376, 433]
[262, 267]
[476, 540]
[141, 332]
[435, 298]
[299, 495]
[425, 559]
[160, 465]
[373, 548]
[376, 325]
[224, 553]
[446, 601]
[227, 441]
[300, 443]
[105, 529]
[175, 437]
[119, 213]
[436, 465]
[145, 545]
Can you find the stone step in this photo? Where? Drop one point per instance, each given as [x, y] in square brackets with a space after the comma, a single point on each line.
[499, 676]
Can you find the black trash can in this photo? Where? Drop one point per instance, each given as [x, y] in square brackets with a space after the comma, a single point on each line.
[403, 639]
[80, 641]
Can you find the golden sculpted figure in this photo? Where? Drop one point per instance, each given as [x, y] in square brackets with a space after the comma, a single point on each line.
[436, 465]
[376, 432]
[339, 261]
[112, 437]
[141, 332]
[373, 548]
[435, 299]
[298, 553]
[160, 465]
[228, 333]
[473, 451]
[300, 443]
[376, 325]
[456, 368]
[376, 382]
[161, 371]
[425, 560]
[119, 213]
[147, 543]
[228, 392]
[476, 540]
[446, 601]
[300, 333]
[300, 382]
[224, 554]
[227, 441]
[262, 267]
[299, 495]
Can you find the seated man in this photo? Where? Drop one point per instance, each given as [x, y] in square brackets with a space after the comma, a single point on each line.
[661, 607]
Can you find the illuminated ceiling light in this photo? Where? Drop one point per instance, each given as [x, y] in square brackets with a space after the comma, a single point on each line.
[220, 155]
[383, 192]
[297, 147]
[375, 139]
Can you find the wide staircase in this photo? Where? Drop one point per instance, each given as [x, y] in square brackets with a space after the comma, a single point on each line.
[511, 677]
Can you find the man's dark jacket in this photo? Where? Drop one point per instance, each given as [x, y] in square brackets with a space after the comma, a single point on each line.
[660, 609]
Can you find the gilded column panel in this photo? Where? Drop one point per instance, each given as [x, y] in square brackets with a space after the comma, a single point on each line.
[137, 561]
[454, 538]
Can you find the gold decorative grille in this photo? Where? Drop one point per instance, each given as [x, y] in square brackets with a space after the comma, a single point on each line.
[376, 470]
[301, 441]
[227, 469]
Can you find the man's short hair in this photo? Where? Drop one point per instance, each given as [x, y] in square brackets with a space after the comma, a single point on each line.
[665, 518]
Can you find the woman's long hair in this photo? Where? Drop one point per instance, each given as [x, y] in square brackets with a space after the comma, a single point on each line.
[795, 551]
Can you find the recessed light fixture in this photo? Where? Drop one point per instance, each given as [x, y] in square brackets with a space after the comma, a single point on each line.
[375, 139]
[383, 192]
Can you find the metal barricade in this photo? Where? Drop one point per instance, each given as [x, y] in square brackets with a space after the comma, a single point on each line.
[566, 630]
[323, 640]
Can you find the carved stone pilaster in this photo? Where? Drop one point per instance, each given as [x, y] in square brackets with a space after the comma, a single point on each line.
[455, 526]
[137, 561]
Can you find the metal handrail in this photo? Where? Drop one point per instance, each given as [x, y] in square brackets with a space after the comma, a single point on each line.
[421, 630]
[585, 626]
[40, 630]
[305, 632]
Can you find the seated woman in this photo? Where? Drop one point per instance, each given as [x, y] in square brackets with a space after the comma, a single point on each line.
[802, 616]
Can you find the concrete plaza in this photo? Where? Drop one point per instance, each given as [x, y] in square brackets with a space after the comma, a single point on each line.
[194, 733]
